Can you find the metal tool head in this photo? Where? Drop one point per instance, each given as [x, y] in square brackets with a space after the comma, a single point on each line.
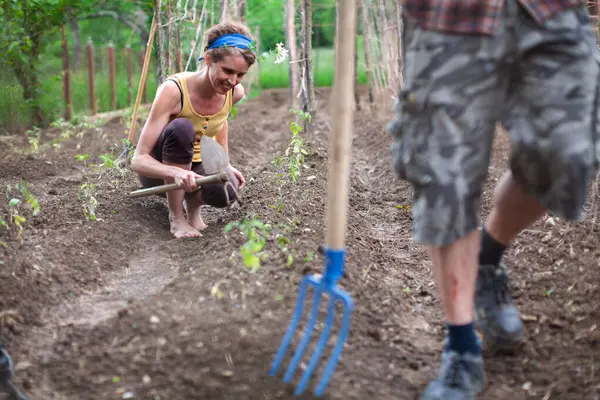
[321, 285]
[214, 156]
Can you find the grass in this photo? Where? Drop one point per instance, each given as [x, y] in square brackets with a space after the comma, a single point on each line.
[16, 114]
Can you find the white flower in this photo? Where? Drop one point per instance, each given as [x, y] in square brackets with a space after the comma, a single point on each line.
[281, 53]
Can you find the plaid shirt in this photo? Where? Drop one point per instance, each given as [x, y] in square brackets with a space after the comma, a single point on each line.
[475, 16]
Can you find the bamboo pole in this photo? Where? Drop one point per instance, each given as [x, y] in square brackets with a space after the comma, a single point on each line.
[142, 83]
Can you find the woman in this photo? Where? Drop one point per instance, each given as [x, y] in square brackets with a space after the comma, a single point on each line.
[187, 106]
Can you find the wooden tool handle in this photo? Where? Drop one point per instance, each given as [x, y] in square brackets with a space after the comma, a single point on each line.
[206, 180]
[342, 126]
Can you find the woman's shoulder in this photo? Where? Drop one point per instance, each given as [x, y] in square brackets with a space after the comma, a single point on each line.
[238, 93]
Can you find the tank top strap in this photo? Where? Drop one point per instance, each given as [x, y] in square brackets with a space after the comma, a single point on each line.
[180, 79]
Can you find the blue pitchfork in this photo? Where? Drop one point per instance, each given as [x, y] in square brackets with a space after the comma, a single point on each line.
[337, 202]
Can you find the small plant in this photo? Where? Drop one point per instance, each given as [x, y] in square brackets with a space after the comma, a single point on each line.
[16, 215]
[256, 233]
[108, 160]
[33, 137]
[293, 158]
[86, 195]
[82, 158]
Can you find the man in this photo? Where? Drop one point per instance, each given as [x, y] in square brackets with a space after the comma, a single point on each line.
[468, 65]
[6, 375]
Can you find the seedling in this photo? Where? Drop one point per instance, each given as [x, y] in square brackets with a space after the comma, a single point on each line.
[256, 234]
[16, 216]
[82, 158]
[254, 250]
[86, 194]
[293, 158]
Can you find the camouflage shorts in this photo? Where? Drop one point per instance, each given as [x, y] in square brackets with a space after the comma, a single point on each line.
[539, 81]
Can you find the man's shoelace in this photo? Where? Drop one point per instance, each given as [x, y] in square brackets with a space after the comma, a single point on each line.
[496, 281]
[455, 374]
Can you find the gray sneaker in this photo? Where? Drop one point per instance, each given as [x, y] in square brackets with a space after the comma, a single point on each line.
[461, 377]
[496, 315]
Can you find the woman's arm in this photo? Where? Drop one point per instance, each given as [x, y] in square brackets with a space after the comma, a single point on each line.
[222, 136]
[165, 104]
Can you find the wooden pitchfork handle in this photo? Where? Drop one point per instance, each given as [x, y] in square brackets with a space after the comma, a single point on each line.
[206, 180]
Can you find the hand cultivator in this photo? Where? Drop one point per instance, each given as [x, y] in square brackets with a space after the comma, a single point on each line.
[338, 183]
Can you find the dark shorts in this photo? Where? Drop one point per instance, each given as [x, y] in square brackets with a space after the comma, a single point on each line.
[176, 145]
[539, 81]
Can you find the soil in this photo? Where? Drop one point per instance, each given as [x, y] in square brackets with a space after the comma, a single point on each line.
[116, 308]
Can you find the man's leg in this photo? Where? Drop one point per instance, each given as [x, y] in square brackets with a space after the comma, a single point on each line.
[497, 316]
[551, 120]
[443, 133]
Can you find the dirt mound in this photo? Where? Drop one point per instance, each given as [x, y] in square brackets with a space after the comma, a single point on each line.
[115, 308]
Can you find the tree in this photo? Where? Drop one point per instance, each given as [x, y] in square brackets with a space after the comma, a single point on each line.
[23, 24]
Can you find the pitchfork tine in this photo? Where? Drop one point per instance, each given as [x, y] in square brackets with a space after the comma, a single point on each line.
[320, 347]
[314, 313]
[337, 350]
[289, 334]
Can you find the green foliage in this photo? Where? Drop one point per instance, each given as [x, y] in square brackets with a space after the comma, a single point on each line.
[87, 197]
[255, 232]
[23, 25]
[293, 158]
[257, 236]
[21, 205]
[38, 84]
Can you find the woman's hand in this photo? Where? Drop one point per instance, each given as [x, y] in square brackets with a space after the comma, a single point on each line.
[186, 180]
[239, 176]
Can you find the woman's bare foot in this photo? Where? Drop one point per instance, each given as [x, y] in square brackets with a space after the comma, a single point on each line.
[180, 228]
[194, 218]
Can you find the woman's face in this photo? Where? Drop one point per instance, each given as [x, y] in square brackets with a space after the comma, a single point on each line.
[227, 73]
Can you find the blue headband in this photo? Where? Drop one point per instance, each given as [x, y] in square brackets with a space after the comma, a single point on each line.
[231, 40]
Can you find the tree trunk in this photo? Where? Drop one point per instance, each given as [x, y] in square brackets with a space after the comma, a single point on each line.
[242, 8]
[28, 79]
[74, 25]
[308, 97]
[223, 11]
[160, 56]
[365, 35]
[356, 96]
[171, 42]
[290, 29]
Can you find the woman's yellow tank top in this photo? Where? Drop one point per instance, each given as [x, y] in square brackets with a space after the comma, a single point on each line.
[204, 125]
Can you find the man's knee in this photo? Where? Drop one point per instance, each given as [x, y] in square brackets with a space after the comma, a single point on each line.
[179, 141]
[559, 181]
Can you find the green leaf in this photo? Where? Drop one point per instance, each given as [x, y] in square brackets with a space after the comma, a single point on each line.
[13, 203]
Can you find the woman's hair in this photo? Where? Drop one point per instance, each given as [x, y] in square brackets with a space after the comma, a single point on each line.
[226, 28]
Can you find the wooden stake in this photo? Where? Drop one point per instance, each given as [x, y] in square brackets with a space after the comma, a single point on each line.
[142, 83]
